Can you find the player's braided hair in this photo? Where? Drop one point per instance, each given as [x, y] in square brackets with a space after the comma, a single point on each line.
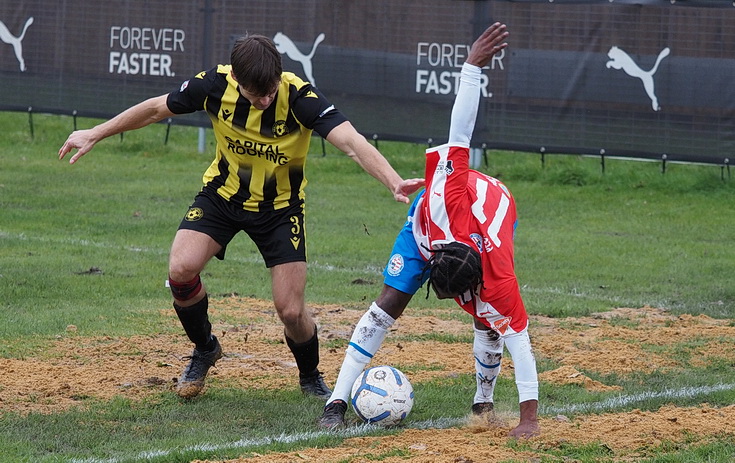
[454, 269]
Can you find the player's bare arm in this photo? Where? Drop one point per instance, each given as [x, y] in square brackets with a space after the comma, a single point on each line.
[354, 145]
[145, 113]
[488, 44]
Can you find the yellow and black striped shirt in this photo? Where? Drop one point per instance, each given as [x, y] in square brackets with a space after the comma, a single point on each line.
[261, 154]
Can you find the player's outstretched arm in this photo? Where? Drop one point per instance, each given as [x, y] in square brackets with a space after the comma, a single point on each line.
[466, 103]
[348, 140]
[148, 112]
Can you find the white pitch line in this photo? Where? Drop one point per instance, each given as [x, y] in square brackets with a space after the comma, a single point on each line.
[527, 289]
[355, 431]
[437, 423]
[164, 252]
[371, 269]
[622, 401]
[315, 264]
[80, 242]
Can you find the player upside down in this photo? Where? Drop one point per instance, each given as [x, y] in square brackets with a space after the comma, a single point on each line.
[459, 237]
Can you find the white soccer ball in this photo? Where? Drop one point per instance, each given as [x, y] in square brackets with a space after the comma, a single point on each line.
[382, 395]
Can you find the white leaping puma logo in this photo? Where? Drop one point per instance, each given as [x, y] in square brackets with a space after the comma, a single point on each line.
[10, 39]
[619, 59]
[286, 45]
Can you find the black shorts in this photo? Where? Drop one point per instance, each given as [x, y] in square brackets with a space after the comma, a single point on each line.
[279, 234]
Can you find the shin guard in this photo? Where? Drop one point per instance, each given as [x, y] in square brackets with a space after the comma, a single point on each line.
[369, 334]
[488, 351]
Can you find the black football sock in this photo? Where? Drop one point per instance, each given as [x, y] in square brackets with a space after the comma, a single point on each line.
[306, 354]
[195, 321]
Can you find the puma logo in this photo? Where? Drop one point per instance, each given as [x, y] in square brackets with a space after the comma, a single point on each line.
[285, 45]
[16, 42]
[619, 59]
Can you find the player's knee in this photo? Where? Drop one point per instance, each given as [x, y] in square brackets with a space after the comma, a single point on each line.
[290, 316]
[182, 269]
[183, 291]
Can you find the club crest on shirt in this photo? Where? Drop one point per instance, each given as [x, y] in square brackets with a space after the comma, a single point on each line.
[446, 167]
[280, 129]
[477, 239]
[395, 265]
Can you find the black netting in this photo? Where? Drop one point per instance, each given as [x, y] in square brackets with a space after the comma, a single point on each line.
[392, 66]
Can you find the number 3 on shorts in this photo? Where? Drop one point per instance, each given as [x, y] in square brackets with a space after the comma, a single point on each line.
[296, 229]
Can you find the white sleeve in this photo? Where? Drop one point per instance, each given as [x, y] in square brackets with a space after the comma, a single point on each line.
[524, 364]
[464, 111]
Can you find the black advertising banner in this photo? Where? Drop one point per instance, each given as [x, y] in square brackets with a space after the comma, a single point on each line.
[645, 79]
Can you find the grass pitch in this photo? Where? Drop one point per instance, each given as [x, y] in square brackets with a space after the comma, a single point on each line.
[87, 245]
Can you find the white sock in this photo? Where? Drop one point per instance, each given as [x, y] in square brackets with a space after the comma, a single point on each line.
[488, 351]
[369, 334]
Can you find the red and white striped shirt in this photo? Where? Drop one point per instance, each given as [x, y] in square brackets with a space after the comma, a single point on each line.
[461, 204]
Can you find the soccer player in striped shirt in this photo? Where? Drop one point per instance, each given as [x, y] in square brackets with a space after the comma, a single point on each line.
[263, 119]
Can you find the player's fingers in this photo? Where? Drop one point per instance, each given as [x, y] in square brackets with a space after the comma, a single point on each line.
[409, 186]
[491, 41]
[492, 27]
[76, 156]
[494, 30]
[64, 150]
[400, 197]
[499, 35]
[80, 152]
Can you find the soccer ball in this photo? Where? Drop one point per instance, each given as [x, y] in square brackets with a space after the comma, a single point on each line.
[382, 395]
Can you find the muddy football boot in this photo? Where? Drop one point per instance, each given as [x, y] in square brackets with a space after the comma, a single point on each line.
[313, 384]
[334, 415]
[191, 382]
[485, 408]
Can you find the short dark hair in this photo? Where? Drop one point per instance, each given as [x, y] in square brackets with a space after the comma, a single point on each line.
[454, 269]
[256, 64]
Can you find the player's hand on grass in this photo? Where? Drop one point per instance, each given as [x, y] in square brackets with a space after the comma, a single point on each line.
[525, 430]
